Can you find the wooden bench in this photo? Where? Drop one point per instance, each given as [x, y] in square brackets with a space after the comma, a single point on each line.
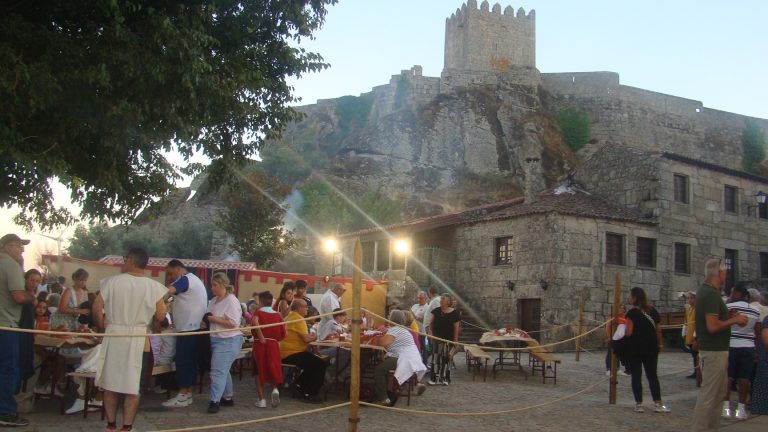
[541, 360]
[477, 358]
[90, 390]
[406, 387]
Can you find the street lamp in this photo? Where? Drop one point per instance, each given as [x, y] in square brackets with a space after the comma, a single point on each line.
[330, 245]
[402, 246]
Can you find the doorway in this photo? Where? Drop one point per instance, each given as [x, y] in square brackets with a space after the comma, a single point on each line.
[529, 316]
[731, 258]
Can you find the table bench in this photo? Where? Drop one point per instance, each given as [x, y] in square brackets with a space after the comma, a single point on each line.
[476, 358]
[541, 360]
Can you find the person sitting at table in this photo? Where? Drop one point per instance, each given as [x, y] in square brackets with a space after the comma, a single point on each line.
[266, 350]
[68, 311]
[284, 300]
[294, 351]
[41, 316]
[88, 363]
[402, 357]
[333, 328]
[444, 325]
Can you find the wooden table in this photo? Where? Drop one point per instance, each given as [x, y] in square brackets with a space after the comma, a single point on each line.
[507, 358]
[369, 356]
[49, 348]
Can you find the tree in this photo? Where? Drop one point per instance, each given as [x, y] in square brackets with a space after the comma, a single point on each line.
[254, 220]
[96, 92]
[574, 127]
[95, 242]
[753, 143]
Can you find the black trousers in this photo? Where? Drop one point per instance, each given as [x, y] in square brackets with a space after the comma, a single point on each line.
[313, 371]
[649, 362]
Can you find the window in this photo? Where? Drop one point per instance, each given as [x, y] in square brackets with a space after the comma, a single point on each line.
[503, 250]
[682, 258]
[764, 265]
[382, 255]
[614, 249]
[681, 188]
[337, 260]
[369, 252]
[646, 252]
[729, 199]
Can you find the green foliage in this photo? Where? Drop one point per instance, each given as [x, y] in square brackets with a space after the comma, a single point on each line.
[401, 91]
[95, 92]
[284, 164]
[327, 212]
[353, 111]
[255, 222]
[189, 240]
[575, 128]
[753, 143]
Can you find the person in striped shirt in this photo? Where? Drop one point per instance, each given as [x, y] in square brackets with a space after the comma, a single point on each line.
[741, 354]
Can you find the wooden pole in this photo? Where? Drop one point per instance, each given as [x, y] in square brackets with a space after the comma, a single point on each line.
[581, 325]
[354, 386]
[614, 323]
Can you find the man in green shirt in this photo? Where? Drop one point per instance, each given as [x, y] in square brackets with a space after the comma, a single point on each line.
[12, 296]
[713, 330]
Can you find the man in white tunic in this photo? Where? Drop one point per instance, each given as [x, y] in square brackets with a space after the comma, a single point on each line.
[125, 304]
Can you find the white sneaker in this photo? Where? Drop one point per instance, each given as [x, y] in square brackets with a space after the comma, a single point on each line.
[76, 407]
[46, 391]
[741, 413]
[726, 413]
[261, 403]
[639, 408]
[178, 401]
[95, 403]
[661, 408]
[275, 398]
[432, 382]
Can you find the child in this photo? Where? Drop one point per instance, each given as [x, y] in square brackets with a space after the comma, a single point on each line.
[266, 349]
[41, 316]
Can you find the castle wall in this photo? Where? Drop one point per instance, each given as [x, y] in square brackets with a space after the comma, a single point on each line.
[483, 39]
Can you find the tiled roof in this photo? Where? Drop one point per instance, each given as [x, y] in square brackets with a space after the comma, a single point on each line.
[712, 167]
[569, 202]
[162, 262]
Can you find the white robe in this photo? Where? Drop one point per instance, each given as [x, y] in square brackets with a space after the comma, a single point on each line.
[129, 305]
[409, 363]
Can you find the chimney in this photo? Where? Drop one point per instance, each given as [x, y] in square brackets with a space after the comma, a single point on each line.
[534, 183]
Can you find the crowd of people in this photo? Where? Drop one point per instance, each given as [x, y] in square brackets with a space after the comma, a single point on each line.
[726, 332]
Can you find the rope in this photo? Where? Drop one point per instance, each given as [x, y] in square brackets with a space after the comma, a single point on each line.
[529, 332]
[194, 333]
[488, 413]
[261, 420]
[492, 348]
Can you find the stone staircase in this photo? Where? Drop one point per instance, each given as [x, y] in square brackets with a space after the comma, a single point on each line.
[470, 329]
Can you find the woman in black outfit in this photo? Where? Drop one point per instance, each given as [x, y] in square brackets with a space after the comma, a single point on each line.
[644, 346]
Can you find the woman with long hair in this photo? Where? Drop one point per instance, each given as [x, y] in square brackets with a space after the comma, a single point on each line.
[643, 349]
[284, 300]
[224, 312]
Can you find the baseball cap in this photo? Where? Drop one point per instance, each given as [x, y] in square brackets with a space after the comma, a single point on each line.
[12, 238]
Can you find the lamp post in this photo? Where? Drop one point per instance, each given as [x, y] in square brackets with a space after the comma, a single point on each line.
[403, 247]
[57, 239]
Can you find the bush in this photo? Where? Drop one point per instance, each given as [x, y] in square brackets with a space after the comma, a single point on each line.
[574, 127]
[753, 143]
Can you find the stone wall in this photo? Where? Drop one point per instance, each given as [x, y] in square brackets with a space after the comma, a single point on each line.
[483, 39]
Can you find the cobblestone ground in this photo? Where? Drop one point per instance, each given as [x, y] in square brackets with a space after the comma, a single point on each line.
[585, 412]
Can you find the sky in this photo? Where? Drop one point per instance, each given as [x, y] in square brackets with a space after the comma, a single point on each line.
[715, 52]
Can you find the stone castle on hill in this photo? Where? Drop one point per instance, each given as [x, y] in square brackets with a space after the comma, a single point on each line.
[502, 212]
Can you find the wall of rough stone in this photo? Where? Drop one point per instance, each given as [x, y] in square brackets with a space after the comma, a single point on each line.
[484, 39]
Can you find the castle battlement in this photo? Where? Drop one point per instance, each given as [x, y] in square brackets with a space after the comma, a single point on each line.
[485, 39]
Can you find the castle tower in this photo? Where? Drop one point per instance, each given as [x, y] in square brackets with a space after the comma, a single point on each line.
[487, 40]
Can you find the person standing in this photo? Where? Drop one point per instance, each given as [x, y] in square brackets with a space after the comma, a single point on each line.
[12, 297]
[68, 311]
[419, 310]
[266, 350]
[690, 331]
[445, 324]
[330, 302]
[126, 303]
[224, 312]
[189, 302]
[433, 303]
[713, 331]
[760, 387]
[643, 350]
[741, 351]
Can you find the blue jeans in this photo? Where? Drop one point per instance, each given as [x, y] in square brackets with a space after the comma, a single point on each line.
[186, 360]
[223, 353]
[9, 371]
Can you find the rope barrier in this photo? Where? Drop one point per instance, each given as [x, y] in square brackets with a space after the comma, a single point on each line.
[254, 421]
[488, 413]
[489, 348]
[181, 334]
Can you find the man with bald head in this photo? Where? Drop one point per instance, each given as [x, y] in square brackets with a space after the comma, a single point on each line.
[331, 301]
[713, 330]
[294, 349]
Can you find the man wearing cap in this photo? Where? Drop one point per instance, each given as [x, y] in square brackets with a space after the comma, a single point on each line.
[713, 330]
[12, 296]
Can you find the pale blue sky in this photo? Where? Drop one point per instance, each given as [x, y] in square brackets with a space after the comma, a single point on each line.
[712, 51]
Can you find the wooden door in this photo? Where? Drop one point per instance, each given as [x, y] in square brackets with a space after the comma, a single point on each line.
[529, 316]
